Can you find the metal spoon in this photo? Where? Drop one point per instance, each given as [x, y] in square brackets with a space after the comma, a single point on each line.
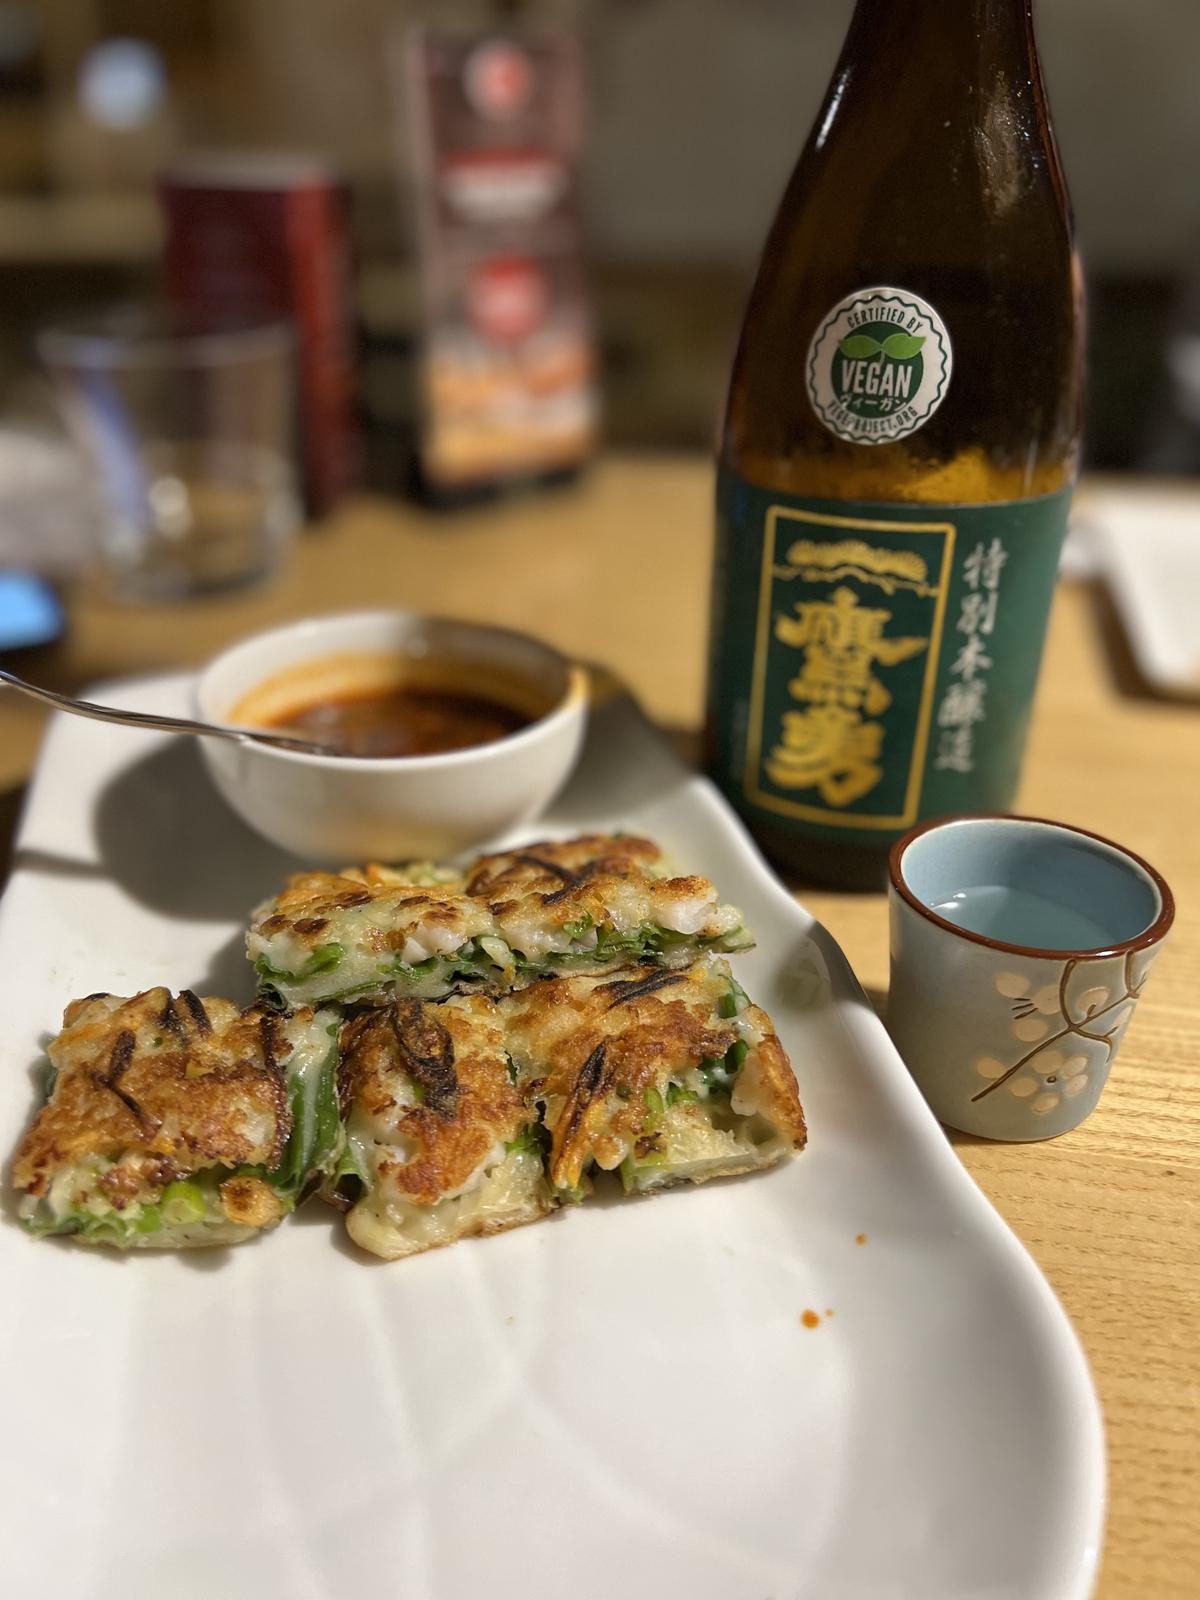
[142, 719]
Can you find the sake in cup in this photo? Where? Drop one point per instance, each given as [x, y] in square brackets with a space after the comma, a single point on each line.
[1019, 949]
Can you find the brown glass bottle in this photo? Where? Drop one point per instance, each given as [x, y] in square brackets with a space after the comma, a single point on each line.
[899, 446]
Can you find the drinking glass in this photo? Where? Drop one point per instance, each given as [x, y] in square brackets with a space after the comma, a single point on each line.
[187, 429]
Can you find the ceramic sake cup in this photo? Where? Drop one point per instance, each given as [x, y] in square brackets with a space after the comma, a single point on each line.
[1019, 950]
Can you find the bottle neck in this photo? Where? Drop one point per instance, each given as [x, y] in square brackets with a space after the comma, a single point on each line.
[940, 64]
[944, 47]
[946, 23]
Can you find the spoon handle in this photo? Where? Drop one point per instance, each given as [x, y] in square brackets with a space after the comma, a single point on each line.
[142, 719]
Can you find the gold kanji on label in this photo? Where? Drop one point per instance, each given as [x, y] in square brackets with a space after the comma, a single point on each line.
[833, 746]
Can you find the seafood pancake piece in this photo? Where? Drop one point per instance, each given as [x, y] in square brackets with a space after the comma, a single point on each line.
[366, 938]
[584, 905]
[670, 1076]
[440, 1144]
[176, 1121]
[598, 902]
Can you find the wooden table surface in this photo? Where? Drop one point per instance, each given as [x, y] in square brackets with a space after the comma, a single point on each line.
[615, 570]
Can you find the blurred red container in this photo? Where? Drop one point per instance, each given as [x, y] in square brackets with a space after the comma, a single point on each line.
[268, 233]
[507, 355]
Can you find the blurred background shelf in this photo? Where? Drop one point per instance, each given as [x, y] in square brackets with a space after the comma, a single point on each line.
[82, 230]
[695, 111]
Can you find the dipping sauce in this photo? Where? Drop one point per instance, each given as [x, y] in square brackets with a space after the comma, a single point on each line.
[387, 704]
[403, 721]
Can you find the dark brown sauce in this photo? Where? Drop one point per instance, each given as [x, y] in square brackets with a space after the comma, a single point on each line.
[403, 722]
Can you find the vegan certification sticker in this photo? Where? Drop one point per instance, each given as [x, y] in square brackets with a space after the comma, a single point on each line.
[878, 366]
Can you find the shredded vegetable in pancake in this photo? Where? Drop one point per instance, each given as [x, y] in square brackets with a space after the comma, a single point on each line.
[587, 905]
[175, 1121]
[472, 1115]
[670, 1076]
[493, 1036]
[440, 1143]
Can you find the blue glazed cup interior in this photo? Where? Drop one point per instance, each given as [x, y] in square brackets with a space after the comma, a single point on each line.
[1033, 885]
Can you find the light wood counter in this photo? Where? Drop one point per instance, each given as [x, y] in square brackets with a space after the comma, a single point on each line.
[616, 571]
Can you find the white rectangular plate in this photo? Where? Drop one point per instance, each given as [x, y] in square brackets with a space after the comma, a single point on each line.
[621, 1401]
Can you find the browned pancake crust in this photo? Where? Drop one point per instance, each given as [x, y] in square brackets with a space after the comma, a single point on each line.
[377, 875]
[577, 878]
[184, 1102]
[550, 866]
[250, 1202]
[308, 902]
[777, 1091]
[454, 1054]
[312, 899]
[600, 1046]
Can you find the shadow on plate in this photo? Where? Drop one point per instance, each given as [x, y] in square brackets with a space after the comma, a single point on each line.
[315, 1213]
[878, 999]
[844, 984]
[171, 843]
[647, 767]
[228, 972]
[11, 803]
[168, 839]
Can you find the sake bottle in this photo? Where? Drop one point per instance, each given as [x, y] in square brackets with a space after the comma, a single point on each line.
[899, 446]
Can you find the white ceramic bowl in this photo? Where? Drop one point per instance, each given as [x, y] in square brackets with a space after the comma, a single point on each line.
[340, 810]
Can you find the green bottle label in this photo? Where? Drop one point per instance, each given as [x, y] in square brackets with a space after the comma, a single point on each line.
[872, 664]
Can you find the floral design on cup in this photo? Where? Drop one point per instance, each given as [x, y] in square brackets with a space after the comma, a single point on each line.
[1046, 1073]
[1020, 948]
